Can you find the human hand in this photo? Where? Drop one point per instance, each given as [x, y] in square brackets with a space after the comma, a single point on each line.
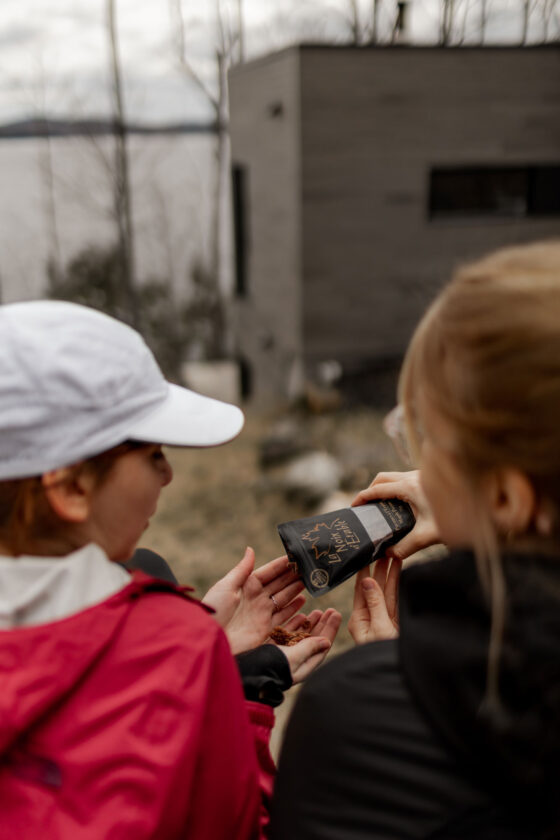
[405, 486]
[307, 654]
[375, 614]
[243, 600]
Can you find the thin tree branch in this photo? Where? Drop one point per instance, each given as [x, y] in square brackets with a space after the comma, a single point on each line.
[176, 11]
[240, 32]
[122, 197]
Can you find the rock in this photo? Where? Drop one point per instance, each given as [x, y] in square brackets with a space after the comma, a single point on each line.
[311, 477]
[334, 501]
[285, 441]
[320, 399]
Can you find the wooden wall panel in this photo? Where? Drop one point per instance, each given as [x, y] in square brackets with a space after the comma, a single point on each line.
[373, 123]
[344, 257]
[264, 99]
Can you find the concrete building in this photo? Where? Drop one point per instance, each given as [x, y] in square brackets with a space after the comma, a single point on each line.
[362, 176]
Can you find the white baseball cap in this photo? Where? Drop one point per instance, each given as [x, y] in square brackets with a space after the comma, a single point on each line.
[75, 382]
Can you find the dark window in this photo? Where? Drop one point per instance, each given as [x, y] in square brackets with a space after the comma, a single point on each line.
[544, 191]
[509, 191]
[239, 189]
[245, 379]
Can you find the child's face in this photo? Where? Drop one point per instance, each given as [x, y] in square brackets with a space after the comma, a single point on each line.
[446, 488]
[122, 505]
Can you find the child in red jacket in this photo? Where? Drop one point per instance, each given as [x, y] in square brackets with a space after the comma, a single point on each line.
[122, 712]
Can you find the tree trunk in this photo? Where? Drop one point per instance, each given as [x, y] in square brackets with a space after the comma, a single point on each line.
[355, 22]
[240, 32]
[525, 24]
[374, 22]
[121, 188]
[46, 168]
[547, 12]
[217, 281]
[221, 234]
[446, 22]
[47, 171]
[483, 12]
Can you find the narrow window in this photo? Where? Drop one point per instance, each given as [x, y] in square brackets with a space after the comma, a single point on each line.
[245, 378]
[240, 233]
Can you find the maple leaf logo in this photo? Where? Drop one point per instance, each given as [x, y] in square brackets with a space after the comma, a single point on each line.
[316, 536]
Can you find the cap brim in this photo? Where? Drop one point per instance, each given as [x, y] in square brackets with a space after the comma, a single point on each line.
[185, 418]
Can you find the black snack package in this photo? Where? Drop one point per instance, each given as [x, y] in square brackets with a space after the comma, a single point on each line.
[331, 547]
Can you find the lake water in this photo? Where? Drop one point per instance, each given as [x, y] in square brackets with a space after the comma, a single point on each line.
[171, 176]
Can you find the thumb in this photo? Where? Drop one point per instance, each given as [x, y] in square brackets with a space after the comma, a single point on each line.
[304, 656]
[307, 648]
[380, 623]
[410, 544]
[241, 571]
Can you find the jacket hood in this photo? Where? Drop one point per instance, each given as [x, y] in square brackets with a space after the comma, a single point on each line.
[36, 590]
[41, 663]
[514, 740]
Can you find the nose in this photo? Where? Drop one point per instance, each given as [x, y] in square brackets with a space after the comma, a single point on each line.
[166, 472]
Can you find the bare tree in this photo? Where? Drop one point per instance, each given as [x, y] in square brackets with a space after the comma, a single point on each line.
[374, 32]
[400, 25]
[240, 32]
[354, 21]
[46, 169]
[226, 39]
[121, 177]
[526, 11]
[447, 15]
[47, 172]
[547, 10]
[350, 14]
[483, 19]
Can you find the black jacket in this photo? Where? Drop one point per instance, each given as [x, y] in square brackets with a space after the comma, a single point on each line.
[397, 739]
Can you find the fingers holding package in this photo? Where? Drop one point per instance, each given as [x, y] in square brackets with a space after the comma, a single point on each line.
[375, 610]
[407, 487]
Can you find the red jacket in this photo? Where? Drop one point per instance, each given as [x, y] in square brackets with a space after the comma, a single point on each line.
[127, 721]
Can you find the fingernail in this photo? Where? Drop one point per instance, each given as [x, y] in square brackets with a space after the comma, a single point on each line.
[325, 645]
[368, 583]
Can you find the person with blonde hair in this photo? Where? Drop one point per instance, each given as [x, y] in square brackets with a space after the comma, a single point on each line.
[122, 707]
[444, 721]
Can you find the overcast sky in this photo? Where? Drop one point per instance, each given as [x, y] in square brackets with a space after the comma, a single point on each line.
[55, 51]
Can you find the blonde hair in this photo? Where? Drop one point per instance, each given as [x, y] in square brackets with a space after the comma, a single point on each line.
[486, 358]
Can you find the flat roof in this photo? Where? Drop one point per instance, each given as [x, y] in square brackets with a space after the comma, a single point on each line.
[366, 48]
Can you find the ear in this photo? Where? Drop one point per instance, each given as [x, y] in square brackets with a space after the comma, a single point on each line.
[545, 518]
[68, 492]
[512, 500]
